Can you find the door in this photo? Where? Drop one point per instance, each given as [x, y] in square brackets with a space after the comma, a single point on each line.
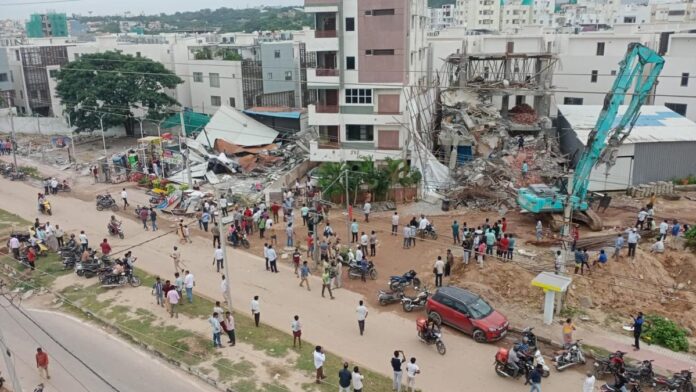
[463, 321]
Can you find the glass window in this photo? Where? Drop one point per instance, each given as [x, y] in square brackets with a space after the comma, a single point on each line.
[684, 80]
[3, 76]
[350, 62]
[288, 75]
[359, 96]
[593, 77]
[360, 133]
[479, 308]
[269, 75]
[600, 48]
[198, 77]
[233, 103]
[679, 108]
[383, 12]
[350, 24]
[572, 101]
[382, 52]
[276, 54]
[215, 100]
[214, 80]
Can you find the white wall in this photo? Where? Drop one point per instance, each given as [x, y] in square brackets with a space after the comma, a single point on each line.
[230, 84]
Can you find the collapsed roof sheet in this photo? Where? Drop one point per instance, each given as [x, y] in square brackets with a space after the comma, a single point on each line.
[234, 149]
[235, 127]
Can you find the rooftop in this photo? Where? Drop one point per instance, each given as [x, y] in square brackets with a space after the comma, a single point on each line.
[655, 123]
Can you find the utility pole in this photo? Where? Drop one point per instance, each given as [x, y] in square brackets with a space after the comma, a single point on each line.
[348, 215]
[223, 246]
[14, 141]
[72, 141]
[9, 362]
[186, 158]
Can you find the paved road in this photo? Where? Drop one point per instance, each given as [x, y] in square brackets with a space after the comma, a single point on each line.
[121, 364]
[331, 324]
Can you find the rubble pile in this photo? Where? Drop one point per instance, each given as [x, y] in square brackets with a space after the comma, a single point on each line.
[523, 114]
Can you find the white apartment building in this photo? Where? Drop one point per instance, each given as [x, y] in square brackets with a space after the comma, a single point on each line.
[442, 18]
[478, 14]
[514, 15]
[366, 61]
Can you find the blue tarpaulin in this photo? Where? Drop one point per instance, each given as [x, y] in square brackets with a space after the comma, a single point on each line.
[292, 115]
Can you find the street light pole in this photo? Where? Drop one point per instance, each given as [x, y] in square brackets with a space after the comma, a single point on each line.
[14, 141]
[347, 206]
[142, 136]
[186, 158]
[223, 246]
[101, 125]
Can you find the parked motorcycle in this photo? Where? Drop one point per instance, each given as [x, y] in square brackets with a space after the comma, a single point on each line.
[397, 282]
[17, 176]
[64, 187]
[430, 334]
[115, 280]
[609, 365]
[355, 271]
[631, 386]
[106, 202]
[417, 302]
[573, 355]
[538, 359]
[529, 338]
[644, 373]
[429, 232]
[679, 382]
[389, 297]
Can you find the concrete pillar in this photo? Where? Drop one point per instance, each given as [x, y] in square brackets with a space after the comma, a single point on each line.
[549, 300]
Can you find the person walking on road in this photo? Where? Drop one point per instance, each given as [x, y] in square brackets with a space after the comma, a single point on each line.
[344, 378]
[319, 359]
[173, 301]
[124, 197]
[535, 378]
[326, 283]
[568, 328]
[637, 330]
[256, 310]
[439, 270]
[304, 275]
[158, 291]
[176, 258]
[228, 326]
[215, 231]
[367, 207]
[362, 315]
[588, 385]
[42, 363]
[296, 331]
[618, 245]
[396, 362]
[218, 258]
[144, 214]
[411, 371]
[189, 282]
[153, 219]
[272, 259]
[216, 329]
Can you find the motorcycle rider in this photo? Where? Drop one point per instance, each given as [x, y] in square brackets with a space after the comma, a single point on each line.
[513, 359]
[114, 225]
[363, 268]
[621, 380]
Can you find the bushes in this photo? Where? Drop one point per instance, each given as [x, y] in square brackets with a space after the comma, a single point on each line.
[690, 237]
[663, 332]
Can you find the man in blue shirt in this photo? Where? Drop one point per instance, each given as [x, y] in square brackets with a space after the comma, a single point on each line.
[455, 232]
[344, 377]
[618, 245]
[676, 228]
[637, 329]
[535, 379]
[601, 258]
[396, 363]
[354, 231]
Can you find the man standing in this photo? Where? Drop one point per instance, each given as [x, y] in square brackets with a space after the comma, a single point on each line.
[272, 259]
[14, 246]
[344, 378]
[189, 282]
[228, 325]
[535, 378]
[304, 275]
[588, 385]
[84, 242]
[290, 234]
[143, 214]
[354, 231]
[525, 170]
[367, 207]
[397, 360]
[296, 331]
[394, 223]
[176, 257]
[439, 270]
[326, 283]
[60, 234]
[539, 230]
[364, 241]
[173, 300]
[124, 197]
[618, 245]
[559, 264]
[256, 310]
[642, 214]
[664, 226]
[637, 330]
[215, 231]
[42, 363]
[304, 212]
[373, 243]
[411, 370]
[362, 315]
[455, 232]
[205, 220]
[153, 219]
[633, 238]
[218, 258]
[216, 329]
[319, 359]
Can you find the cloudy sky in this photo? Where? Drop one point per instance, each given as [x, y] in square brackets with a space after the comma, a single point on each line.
[21, 9]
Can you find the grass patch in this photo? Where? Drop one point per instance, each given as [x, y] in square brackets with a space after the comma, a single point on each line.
[48, 268]
[9, 220]
[571, 312]
[228, 370]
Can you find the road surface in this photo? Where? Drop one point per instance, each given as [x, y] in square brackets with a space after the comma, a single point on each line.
[332, 324]
[119, 363]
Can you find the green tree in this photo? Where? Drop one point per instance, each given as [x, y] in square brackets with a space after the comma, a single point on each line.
[112, 85]
[330, 178]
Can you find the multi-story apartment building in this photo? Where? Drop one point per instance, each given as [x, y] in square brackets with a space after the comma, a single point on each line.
[442, 18]
[366, 60]
[47, 25]
[6, 80]
[478, 14]
[515, 14]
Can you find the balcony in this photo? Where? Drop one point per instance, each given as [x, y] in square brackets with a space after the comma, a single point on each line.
[325, 34]
[327, 72]
[323, 108]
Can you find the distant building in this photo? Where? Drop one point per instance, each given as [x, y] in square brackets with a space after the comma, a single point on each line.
[77, 28]
[6, 80]
[442, 18]
[47, 25]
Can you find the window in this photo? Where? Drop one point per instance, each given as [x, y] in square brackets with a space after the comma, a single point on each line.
[350, 62]
[360, 133]
[359, 96]
[18, 58]
[629, 19]
[214, 79]
[269, 76]
[77, 56]
[288, 75]
[276, 54]
[198, 77]
[383, 12]
[679, 108]
[233, 103]
[137, 54]
[350, 24]
[600, 48]
[3, 77]
[519, 100]
[593, 76]
[51, 72]
[684, 80]
[379, 52]
[572, 101]
[215, 100]
[613, 72]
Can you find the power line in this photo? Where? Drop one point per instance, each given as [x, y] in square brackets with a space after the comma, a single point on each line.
[38, 2]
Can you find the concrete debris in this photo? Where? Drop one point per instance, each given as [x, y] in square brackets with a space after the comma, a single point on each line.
[658, 188]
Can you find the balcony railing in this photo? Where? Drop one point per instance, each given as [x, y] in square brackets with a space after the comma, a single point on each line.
[327, 72]
[322, 108]
[325, 34]
[330, 144]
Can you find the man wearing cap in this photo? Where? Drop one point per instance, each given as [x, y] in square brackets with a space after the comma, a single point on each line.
[633, 238]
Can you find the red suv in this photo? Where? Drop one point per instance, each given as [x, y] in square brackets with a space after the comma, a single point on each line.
[468, 313]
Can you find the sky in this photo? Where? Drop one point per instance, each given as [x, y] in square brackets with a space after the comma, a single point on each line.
[21, 9]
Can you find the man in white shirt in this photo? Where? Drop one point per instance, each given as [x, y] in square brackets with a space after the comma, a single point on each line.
[14, 246]
[395, 223]
[124, 197]
[256, 310]
[218, 258]
[358, 254]
[560, 263]
[439, 269]
[361, 310]
[642, 214]
[364, 240]
[272, 258]
[189, 282]
[83, 240]
[632, 241]
[214, 321]
[296, 331]
[367, 207]
[223, 288]
[223, 206]
[664, 226]
[319, 358]
[411, 370]
[588, 385]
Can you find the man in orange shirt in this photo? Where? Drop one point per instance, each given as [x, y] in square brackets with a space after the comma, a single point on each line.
[42, 363]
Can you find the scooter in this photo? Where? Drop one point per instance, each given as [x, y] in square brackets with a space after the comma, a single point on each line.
[389, 297]
[539, 360]
[572, 356]
[45, 207]
[417, 302]
[355, 271]
[397, 282]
